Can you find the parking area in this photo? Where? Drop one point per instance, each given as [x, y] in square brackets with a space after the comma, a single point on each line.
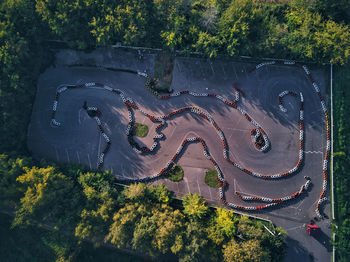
[77, 140]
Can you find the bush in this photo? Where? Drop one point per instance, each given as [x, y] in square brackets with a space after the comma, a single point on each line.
[140, 130]
[211, 178]
[176, 173]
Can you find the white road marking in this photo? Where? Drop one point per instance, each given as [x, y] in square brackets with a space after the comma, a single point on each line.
[58, 159]
[223, 69]
[313, 152]
[67, 155]
[212, 69]
[198, 187]
[291, 105]
[188, 187]
[79, 116]
[235, 129]
[78, 157]
[211, 196]
[99, 146]
[301, 202]
[89, 160]
[173, 131]
[178, 66]
[234, 70]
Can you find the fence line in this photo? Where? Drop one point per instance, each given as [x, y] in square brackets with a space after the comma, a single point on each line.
[332, 160]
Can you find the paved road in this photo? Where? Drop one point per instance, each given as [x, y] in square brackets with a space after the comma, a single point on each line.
[79, 141]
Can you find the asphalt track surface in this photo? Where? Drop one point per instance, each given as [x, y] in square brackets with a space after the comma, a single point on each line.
[77, 140]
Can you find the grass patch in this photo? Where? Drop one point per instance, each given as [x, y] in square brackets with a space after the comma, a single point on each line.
[210, 178]
[140, 130]
[176, 173]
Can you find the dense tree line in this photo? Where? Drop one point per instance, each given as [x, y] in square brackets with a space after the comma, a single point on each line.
[342, 161]
[86, 205]
[299, 29]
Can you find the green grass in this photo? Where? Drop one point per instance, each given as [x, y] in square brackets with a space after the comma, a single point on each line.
[140, 130]
[210, 178]
[176, 173]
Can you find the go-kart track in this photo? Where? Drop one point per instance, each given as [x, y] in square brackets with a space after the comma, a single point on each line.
[214, 118]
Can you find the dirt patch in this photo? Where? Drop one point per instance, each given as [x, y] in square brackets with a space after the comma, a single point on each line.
[163, 71]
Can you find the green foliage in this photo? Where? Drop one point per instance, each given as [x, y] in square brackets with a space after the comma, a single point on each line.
[68, 20]
[195, 246]
[247, 229]
[140, 130]
[250, 250]
[328, 8]
[124, 222]
[38, 244]
[100, 202]
[311, 37]
[17, 244]
[10, 189]
[275, 245]
[195, 206]
[176, 173]
[342, 244]
[159, 232]
[210, 178]
[223, 226]
[129, 22]
[341, 160]
[20, 63]
[45, 197]
[87, 206]
[238, 27]
[142, 193]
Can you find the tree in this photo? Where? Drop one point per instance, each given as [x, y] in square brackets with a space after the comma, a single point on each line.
[195, 243]
[247, 229]
[238, 27]
[334, 10]
[342, 244]
[140, 192]
[159, 233]
[310, 36]
[49, 197]
[223, 226]
[334, 42]
[195, 206]
[100, 203]
[69, 20]
[275, 245]
[160, 194]
[124, 222]
[22, 56]
[10, 169]
[129, 22]
[208, 44]
[248, 251]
